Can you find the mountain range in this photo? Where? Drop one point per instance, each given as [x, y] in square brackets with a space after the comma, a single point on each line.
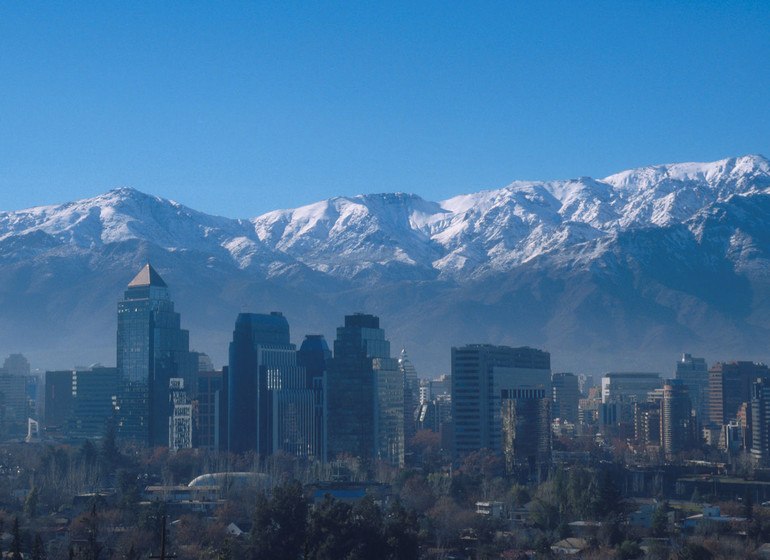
[623, 273]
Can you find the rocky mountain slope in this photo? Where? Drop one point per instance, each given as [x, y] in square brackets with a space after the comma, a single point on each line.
[620, 273]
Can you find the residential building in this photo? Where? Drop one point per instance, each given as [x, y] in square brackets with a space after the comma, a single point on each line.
[677, 426]
[760, 421]
[180, 423]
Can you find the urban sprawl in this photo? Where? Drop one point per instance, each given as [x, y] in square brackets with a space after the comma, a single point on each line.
[345, 452]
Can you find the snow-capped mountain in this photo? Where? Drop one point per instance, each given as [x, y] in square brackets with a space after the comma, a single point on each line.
[641, 265]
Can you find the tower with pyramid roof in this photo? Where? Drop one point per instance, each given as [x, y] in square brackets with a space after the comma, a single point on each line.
[152, 348]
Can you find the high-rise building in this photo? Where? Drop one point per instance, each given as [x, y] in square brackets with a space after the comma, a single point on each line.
[676, 418]
[694, 373]
[80, 402]
[94, 399]
[647, 423]
[207, 407]
[58, 399]
[314, 355]
[152, 348]
[411, 393]
[730, 387]
[180, 422]
[14, 406]
[365, 394]
[629, 387]
[760, 421]
[501, 399]
[271, 408]
[16, 364]
[566, 396]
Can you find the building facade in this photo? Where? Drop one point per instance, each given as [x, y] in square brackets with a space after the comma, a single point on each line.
[694, 373]
[501, 399]
[760, 421]
[365, 394]
[411, 393]
[729, 387]
[270, 407]
[629, 386]
[151, 349]
[314, 355]
[677, 424]
[566, 396]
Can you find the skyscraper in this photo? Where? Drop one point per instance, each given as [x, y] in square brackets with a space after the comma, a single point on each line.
[676, 418]
[694, 373]
[314, 355]
[152, 348]
[411, 393]
[365, 394]
[501, 399]
[566, 397]
[730, 387]
[760, 421]
[271, 408]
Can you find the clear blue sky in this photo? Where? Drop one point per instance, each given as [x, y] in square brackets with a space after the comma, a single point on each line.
[240, 108]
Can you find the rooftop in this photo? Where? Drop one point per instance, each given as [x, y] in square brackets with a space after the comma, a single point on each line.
[148, 276]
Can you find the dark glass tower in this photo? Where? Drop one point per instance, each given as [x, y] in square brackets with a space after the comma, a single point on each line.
[314, 355]
[270, 406]
[152, 348]
[365, 394]
[501, 399]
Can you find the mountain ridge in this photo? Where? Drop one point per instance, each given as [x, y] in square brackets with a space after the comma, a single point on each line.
[667, 247]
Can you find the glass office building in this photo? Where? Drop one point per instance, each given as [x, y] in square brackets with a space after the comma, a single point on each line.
[271, 407]
[365, 394]
[152, 348]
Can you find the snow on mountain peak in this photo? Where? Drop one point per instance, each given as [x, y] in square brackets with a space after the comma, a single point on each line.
[466, 235]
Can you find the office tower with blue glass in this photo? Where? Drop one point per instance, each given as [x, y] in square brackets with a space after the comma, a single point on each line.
[152, 348]
[365, 394]
[270, 406]
[501, 401]
[314, 355]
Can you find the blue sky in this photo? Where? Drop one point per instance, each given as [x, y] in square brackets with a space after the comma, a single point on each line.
[240, 108]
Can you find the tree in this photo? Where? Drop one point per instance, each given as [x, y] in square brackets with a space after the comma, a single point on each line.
[542, 546]
[280, 523]
[330, 533]
[629, 550]
[368, 526]
[32, 501]
[128, 491]
[748, 504]
[660, 520]
[16, 540]
[693, 551]
[608, 499]
[401, 533]
[38, 548]
[109, 455]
